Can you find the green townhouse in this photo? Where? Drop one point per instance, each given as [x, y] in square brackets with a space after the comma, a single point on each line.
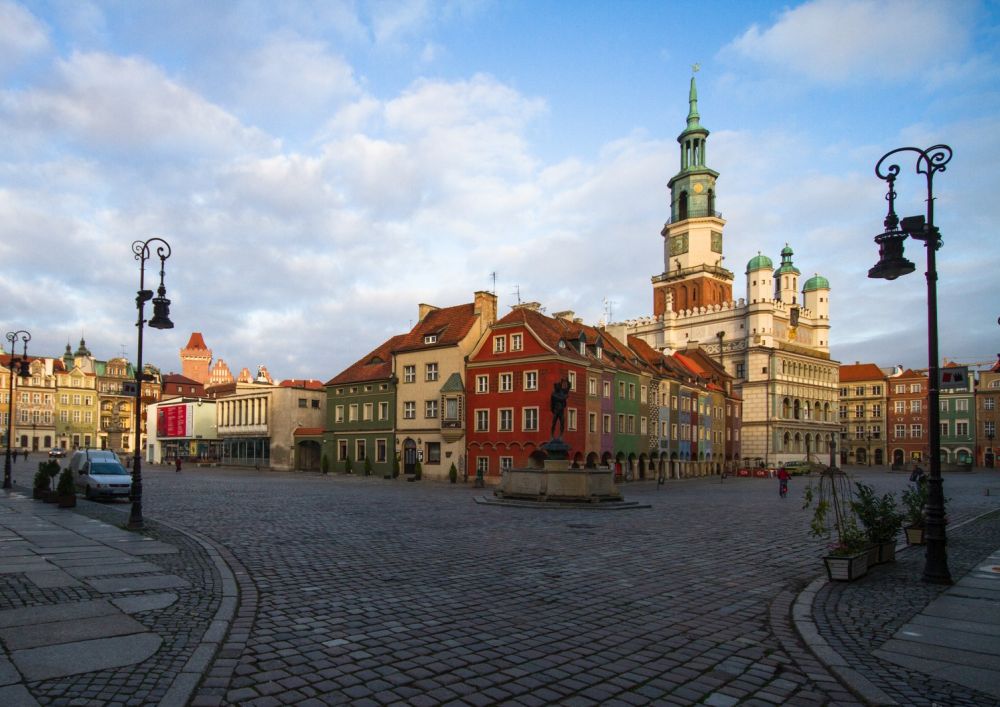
[360, 415]
[956, 398]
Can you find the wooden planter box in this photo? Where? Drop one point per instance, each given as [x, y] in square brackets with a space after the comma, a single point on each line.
[886, 552]
[873, 555]
[844, 568]
[39, 494]
[67, 501]
[914, 534]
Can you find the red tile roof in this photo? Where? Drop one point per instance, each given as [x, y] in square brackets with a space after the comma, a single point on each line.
[302, 383]
[376, 365]
[196, 341]
[852, 373]
[178, 379]
[449, 324]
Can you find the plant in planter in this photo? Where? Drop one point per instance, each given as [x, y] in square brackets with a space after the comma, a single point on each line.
[395, 467]
[453, 473]
[324, 465]
[40, 484]
[834, 518]
[50, 469]
[914, 500]
[65, 490]
[418, 472]
[368, 466]
[881, 521]
[347, 465]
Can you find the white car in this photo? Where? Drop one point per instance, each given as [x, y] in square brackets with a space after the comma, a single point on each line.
[97, 473]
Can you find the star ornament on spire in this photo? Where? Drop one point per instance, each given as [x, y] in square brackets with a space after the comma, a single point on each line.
[695, 68]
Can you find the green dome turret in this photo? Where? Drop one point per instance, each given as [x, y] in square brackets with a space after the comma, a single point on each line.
[759, 262]
[816, 282]
[786, 266]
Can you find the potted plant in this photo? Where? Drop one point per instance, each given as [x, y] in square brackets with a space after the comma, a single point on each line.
[51, 469]
[347, 465]
[324, 465]
[368, 466]
[65, 490]
[881, 521]
[418, 472]
[40, 485]
[395, 466]
[914, 500]
[453, 473]
[834, 518]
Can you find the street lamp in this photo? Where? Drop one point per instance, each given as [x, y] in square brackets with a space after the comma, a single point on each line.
[989, 438]
[868, 439]
[160, 320]
[21, 366]
[891, 265]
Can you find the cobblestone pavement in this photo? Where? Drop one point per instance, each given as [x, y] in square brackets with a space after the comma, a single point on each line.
[365, 591]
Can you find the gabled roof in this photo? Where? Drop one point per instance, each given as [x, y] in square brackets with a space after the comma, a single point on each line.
[196, 341]
[376, 365]
[852, 373]
[301, 383]
[449, 325]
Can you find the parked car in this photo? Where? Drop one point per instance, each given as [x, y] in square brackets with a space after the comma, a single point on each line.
[57, 453]
[98, 473]
[798, 467]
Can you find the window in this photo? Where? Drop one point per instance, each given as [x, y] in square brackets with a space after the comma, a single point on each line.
[673, 401]
[900, 388]
[859, 432]
[990, 428]
[741, 370]
[76, 399]
[988, 403]
[506, 382]
[962, 428]
[409, 410]
[431, 339]
[915, 406]
[302, 402]
[482, 465]
[359, 450]
[962, 405]
[900, 431]
[642, 394]
[482, 384]
[482, 420]
[63, 416]
[642, 425]
[592, 386]
[383, 410]
[380, 450]
[430, 409]
[505, 420]
[571, 377]
[530, 419]
[621, 390]
[431, 372]
[315, 404]
[367, 411]
[516, 341]
[341, 449]
[409, 374]
[631, 391]
[621, 424]
[843, 412]
[859, 390]
[900, 407]
[433, 452]
[859, 410]
[916, 431]
[673, 430]
[571, 418]
[451, 408]
[531, 380]
[943, 405]
[506, 464]
[352, 412]
[592, 422]
[876, 410]
[606, 424]
[607, 389]
[916, 388]
[630, 424]
[499, 344]
[944, 429]
[876, 390]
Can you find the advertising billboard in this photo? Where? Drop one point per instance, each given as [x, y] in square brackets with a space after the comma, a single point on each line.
[174, 421]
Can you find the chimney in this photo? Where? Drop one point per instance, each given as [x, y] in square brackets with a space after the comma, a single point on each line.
[568, 315]
[424, 310]
[486, 308]
[533, 306]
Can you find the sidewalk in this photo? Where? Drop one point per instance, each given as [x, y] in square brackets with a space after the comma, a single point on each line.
[895, 640]
[93, 613]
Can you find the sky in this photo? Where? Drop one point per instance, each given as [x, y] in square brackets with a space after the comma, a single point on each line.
[319, 169]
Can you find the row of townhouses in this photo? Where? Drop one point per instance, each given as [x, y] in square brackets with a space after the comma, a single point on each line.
[884, 415]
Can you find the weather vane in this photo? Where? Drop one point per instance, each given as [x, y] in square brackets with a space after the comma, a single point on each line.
[695, 68]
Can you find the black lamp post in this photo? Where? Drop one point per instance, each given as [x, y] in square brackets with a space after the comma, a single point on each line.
[868, 439]
[17, 366]
[891, 265]
[160, 320]
[989, 438]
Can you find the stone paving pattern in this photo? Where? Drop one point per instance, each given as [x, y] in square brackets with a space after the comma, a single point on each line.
[365, 591]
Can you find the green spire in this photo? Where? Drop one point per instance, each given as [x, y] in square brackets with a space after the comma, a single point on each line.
[693, 116]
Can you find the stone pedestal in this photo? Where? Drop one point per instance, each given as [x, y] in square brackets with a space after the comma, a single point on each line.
[556, 481]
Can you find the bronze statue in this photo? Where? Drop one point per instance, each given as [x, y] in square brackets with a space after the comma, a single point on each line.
[557, 403]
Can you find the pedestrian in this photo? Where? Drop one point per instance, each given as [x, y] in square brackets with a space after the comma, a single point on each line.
[177, 464]
[25, 452]
[783, 481]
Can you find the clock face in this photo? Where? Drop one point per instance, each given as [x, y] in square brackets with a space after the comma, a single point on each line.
[698, 188]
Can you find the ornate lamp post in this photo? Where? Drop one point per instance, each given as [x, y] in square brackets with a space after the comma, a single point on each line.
[891, 265]
[160, 320]
[17, 366]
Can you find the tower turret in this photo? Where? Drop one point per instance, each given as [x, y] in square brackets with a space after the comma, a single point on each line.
[786, 278]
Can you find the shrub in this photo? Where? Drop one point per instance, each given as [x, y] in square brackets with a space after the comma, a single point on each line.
[395, 466]
[452, 473]
[368, 466]
[42, 478]
[914, 500]
[347, 465]
[878, 514]
[65, 486]
[418, 472]
[324, 464]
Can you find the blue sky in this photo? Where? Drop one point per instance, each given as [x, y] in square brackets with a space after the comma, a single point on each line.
[321, 168]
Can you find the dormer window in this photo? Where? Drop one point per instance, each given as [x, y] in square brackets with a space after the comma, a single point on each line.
[430, 339]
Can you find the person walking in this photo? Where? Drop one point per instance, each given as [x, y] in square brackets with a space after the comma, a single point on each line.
[177, 464]
[783, 482]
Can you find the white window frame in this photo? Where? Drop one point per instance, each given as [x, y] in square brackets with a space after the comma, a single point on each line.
[500, 344]
[516, 342]
[482, 419]
[409, 409]
[431, 372]
[530, 380]
[571, 419]
[482, 383]
[431, 409]
[529, 419]
[505, 419]
[410, 373]
[506, 383]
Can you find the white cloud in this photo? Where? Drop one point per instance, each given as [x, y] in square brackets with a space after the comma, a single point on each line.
[126, 104]
[21, 35]
[855, 40]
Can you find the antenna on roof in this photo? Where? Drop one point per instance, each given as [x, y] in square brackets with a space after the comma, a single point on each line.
[517, 293]
[608, 310]
[494, 276]
[123, 350]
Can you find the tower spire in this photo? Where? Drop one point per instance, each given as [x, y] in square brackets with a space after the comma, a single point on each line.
[693, 117]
